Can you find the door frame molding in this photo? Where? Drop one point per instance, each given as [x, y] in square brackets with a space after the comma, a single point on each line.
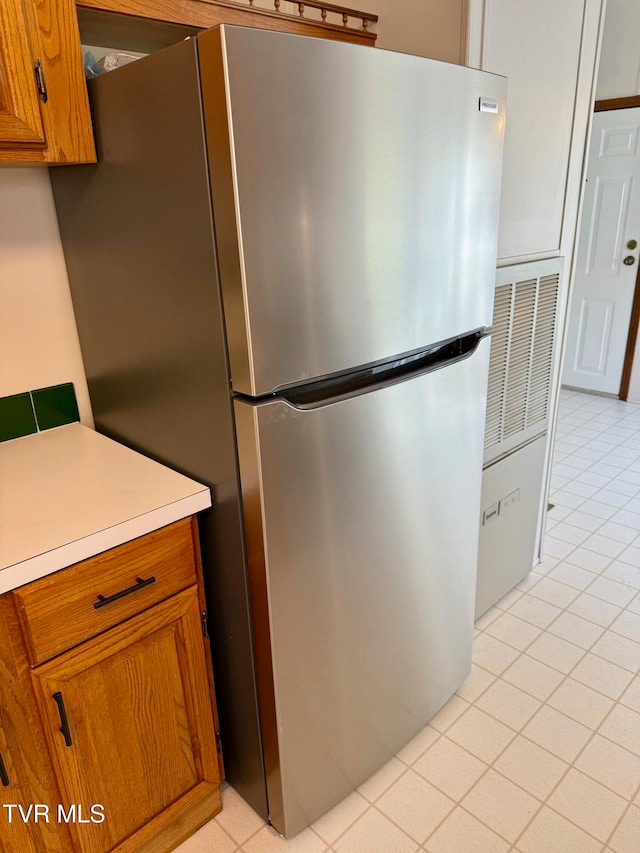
[634, 321]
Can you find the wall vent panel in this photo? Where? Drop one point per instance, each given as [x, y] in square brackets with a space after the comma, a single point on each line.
[523, 335]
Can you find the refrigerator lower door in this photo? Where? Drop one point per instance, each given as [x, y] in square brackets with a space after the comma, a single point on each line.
[362, 530]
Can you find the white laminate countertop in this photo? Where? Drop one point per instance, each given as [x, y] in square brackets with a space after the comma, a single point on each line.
[69, 493]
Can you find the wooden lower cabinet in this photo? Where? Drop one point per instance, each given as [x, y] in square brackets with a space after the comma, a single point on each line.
[26, 775]
[130, 730]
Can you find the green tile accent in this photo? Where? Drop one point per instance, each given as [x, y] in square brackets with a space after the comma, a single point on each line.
[55, 406]
[16, 416]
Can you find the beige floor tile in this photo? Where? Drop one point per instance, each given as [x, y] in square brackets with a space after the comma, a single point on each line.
[634, 604]
[513, 631]
[374, 832]
[588, 804]
[449, 713]
[627, 835]
[549, 832]
[554, 592]
[602, 675]
[510, 598]
[588, 560]
[623, 573]
[501, 805]
[492, 655]
[628, 624]
[619, 532]
[535, 611]
[531, 767]
[611, 591]
[417, 745]
[572, 576]
[555, 652]
[623, 727]
[377, 784]
[598, 509]
[604, 545]
[480, 734]
[508, 704]
[594, 609]
[489, 616]
[237, 818]
[557, 733]
[210, 837]
[580, 702]
[576, 630]
[268, 841]
[631, 555]
[610, 764]
[533, 677]
[631, 696]
[476, 683]
[415, 805]
[545, 566]
[338, 819]
[568, 533]
[450, 768]
[630, 519]
[556, 547]
[463, 833]
[583, 520]
[618, 650]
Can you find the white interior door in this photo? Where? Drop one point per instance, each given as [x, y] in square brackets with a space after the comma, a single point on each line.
[607, 255]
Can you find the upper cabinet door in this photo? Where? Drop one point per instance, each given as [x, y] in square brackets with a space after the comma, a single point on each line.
[54, 128]
[20, 120]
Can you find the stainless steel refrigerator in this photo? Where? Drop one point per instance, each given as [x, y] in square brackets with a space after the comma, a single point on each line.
[282, 269]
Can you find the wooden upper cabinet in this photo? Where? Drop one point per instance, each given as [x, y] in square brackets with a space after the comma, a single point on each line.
[20, 121]
[44, 115]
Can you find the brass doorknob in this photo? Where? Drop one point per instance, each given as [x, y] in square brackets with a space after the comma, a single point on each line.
[629, 260]
[631, 244]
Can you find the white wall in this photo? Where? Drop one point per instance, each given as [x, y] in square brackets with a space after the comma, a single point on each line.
[619, 71]
[38, 338]
[433, 28]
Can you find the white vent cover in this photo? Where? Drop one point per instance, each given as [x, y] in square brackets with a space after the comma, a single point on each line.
[522, 339]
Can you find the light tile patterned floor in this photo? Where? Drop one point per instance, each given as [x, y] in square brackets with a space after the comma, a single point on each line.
[539, 752]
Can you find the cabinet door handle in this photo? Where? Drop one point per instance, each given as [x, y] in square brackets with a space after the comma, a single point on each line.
[139, 584]
[4, 776]
[64, 727]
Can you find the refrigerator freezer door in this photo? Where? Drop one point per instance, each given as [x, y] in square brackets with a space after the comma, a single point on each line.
[362, 531]
[355, 195]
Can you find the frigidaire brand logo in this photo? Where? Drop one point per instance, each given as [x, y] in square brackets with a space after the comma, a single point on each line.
[488, 105]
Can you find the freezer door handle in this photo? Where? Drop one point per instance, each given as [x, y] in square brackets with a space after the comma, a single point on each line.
[314, 395]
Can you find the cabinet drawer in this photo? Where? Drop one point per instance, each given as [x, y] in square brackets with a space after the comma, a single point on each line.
[65, 608]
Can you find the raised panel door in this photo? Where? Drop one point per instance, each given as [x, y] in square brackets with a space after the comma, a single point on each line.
[130, 723]
[20, 119]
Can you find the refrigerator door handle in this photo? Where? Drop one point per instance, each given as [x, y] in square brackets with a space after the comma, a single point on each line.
[314, 395]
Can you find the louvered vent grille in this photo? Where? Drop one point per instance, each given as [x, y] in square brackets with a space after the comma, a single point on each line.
[522, 339]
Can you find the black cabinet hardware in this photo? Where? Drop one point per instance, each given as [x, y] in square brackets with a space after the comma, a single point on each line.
[4, 776]
[139, 584]
[64, 728]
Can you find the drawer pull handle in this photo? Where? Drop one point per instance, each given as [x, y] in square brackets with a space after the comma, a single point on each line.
[4, 776]
[64, 728]
[140, 582]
